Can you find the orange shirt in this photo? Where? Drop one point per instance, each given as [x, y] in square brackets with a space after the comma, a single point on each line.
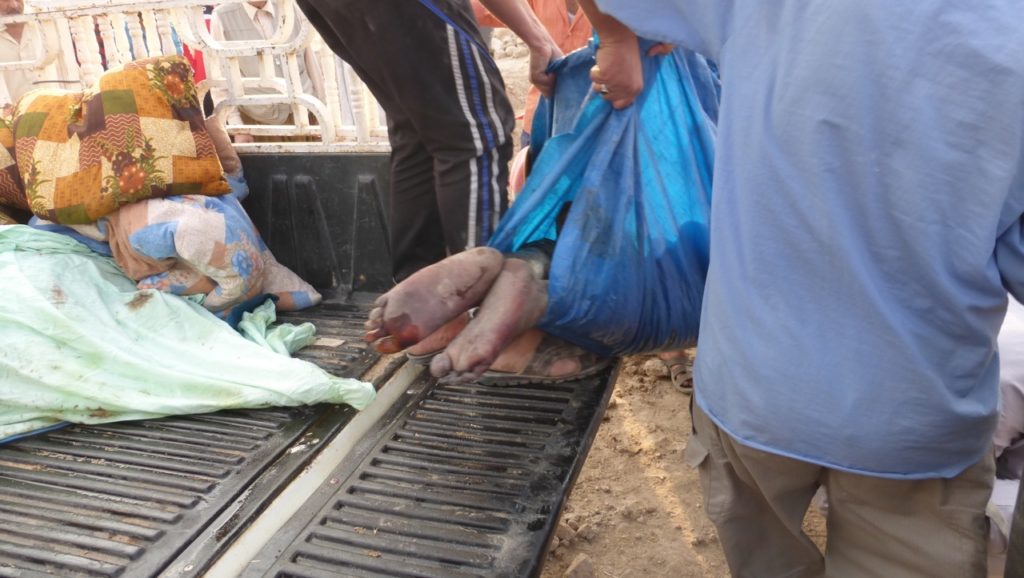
[554, 15]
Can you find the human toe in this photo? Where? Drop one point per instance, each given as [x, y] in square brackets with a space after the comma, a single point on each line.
[440, 365]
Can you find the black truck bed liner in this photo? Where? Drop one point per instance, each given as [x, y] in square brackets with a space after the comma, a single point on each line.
[466, 481]
[459, 481]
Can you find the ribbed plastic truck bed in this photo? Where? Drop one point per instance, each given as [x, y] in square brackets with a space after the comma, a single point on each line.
[451, 481]
[464, 481]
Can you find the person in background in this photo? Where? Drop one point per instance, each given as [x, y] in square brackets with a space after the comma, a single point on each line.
[568, 27]
[256, 20]
[866, 225]
[449, 120]
[17, 42]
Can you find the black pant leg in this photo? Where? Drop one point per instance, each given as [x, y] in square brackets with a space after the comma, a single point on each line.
[417, 237]
[423, 69]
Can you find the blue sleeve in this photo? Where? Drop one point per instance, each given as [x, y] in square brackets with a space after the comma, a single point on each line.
[699, 25]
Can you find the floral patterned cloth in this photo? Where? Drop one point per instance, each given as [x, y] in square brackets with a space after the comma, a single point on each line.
[139, 134]
[199, 245]
[12, 193]
[195, 245]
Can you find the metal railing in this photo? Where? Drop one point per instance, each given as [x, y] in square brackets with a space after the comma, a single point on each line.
[80, 38]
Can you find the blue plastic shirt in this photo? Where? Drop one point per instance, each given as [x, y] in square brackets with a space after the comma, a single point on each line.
[865, 223]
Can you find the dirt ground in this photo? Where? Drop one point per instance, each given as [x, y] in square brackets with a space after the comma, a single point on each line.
[637, 508]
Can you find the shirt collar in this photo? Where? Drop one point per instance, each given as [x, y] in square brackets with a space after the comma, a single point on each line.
[251, 10]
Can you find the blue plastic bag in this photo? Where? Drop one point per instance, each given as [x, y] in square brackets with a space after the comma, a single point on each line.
[630, 259]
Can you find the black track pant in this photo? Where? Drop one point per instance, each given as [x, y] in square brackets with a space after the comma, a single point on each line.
[449, 120]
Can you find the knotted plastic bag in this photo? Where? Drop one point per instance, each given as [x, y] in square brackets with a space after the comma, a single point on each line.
[631, 256]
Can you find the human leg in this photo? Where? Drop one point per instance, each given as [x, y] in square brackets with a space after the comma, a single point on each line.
[908, 528]
[757, 501]
[472, 146]
[451, 105]
[472, 186]
[514, 303]
[369, 38]
[500, 344]
[414, 221]
[430, 309]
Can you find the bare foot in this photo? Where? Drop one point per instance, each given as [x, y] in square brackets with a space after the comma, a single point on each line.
[431, 297]
[515, 303]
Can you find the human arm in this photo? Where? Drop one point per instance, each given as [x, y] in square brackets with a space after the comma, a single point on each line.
[485, 18]
[517, 15]
[618, 74]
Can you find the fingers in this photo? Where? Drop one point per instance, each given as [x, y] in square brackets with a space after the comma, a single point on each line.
[597, 82]
[544, 82]
[540, 58]
[620, 70]
[619, 93]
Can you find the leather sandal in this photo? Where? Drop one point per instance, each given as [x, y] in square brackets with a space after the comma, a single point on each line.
[537, 370]
[680, 371]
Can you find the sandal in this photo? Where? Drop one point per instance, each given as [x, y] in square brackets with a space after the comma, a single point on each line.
[680, 370]
[548, 352]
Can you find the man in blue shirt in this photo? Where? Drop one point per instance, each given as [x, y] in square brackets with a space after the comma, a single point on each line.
[865, 228]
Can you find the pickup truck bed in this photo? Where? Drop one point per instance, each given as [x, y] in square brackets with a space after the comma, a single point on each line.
[431, 480]
[449, 480]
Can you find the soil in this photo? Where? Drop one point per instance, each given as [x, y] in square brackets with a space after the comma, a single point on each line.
[637, 508]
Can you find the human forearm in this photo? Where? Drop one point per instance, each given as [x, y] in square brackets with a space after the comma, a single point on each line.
[483, 17]
[605, 25]
[520, 19]
[518, 16]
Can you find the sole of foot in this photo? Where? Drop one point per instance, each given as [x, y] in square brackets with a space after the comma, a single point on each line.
[430, 298]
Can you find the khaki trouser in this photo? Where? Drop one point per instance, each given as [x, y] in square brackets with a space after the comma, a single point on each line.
[876, 527]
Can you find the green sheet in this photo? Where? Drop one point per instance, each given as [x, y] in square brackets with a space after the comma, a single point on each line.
[79, 343]
[283, 338]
